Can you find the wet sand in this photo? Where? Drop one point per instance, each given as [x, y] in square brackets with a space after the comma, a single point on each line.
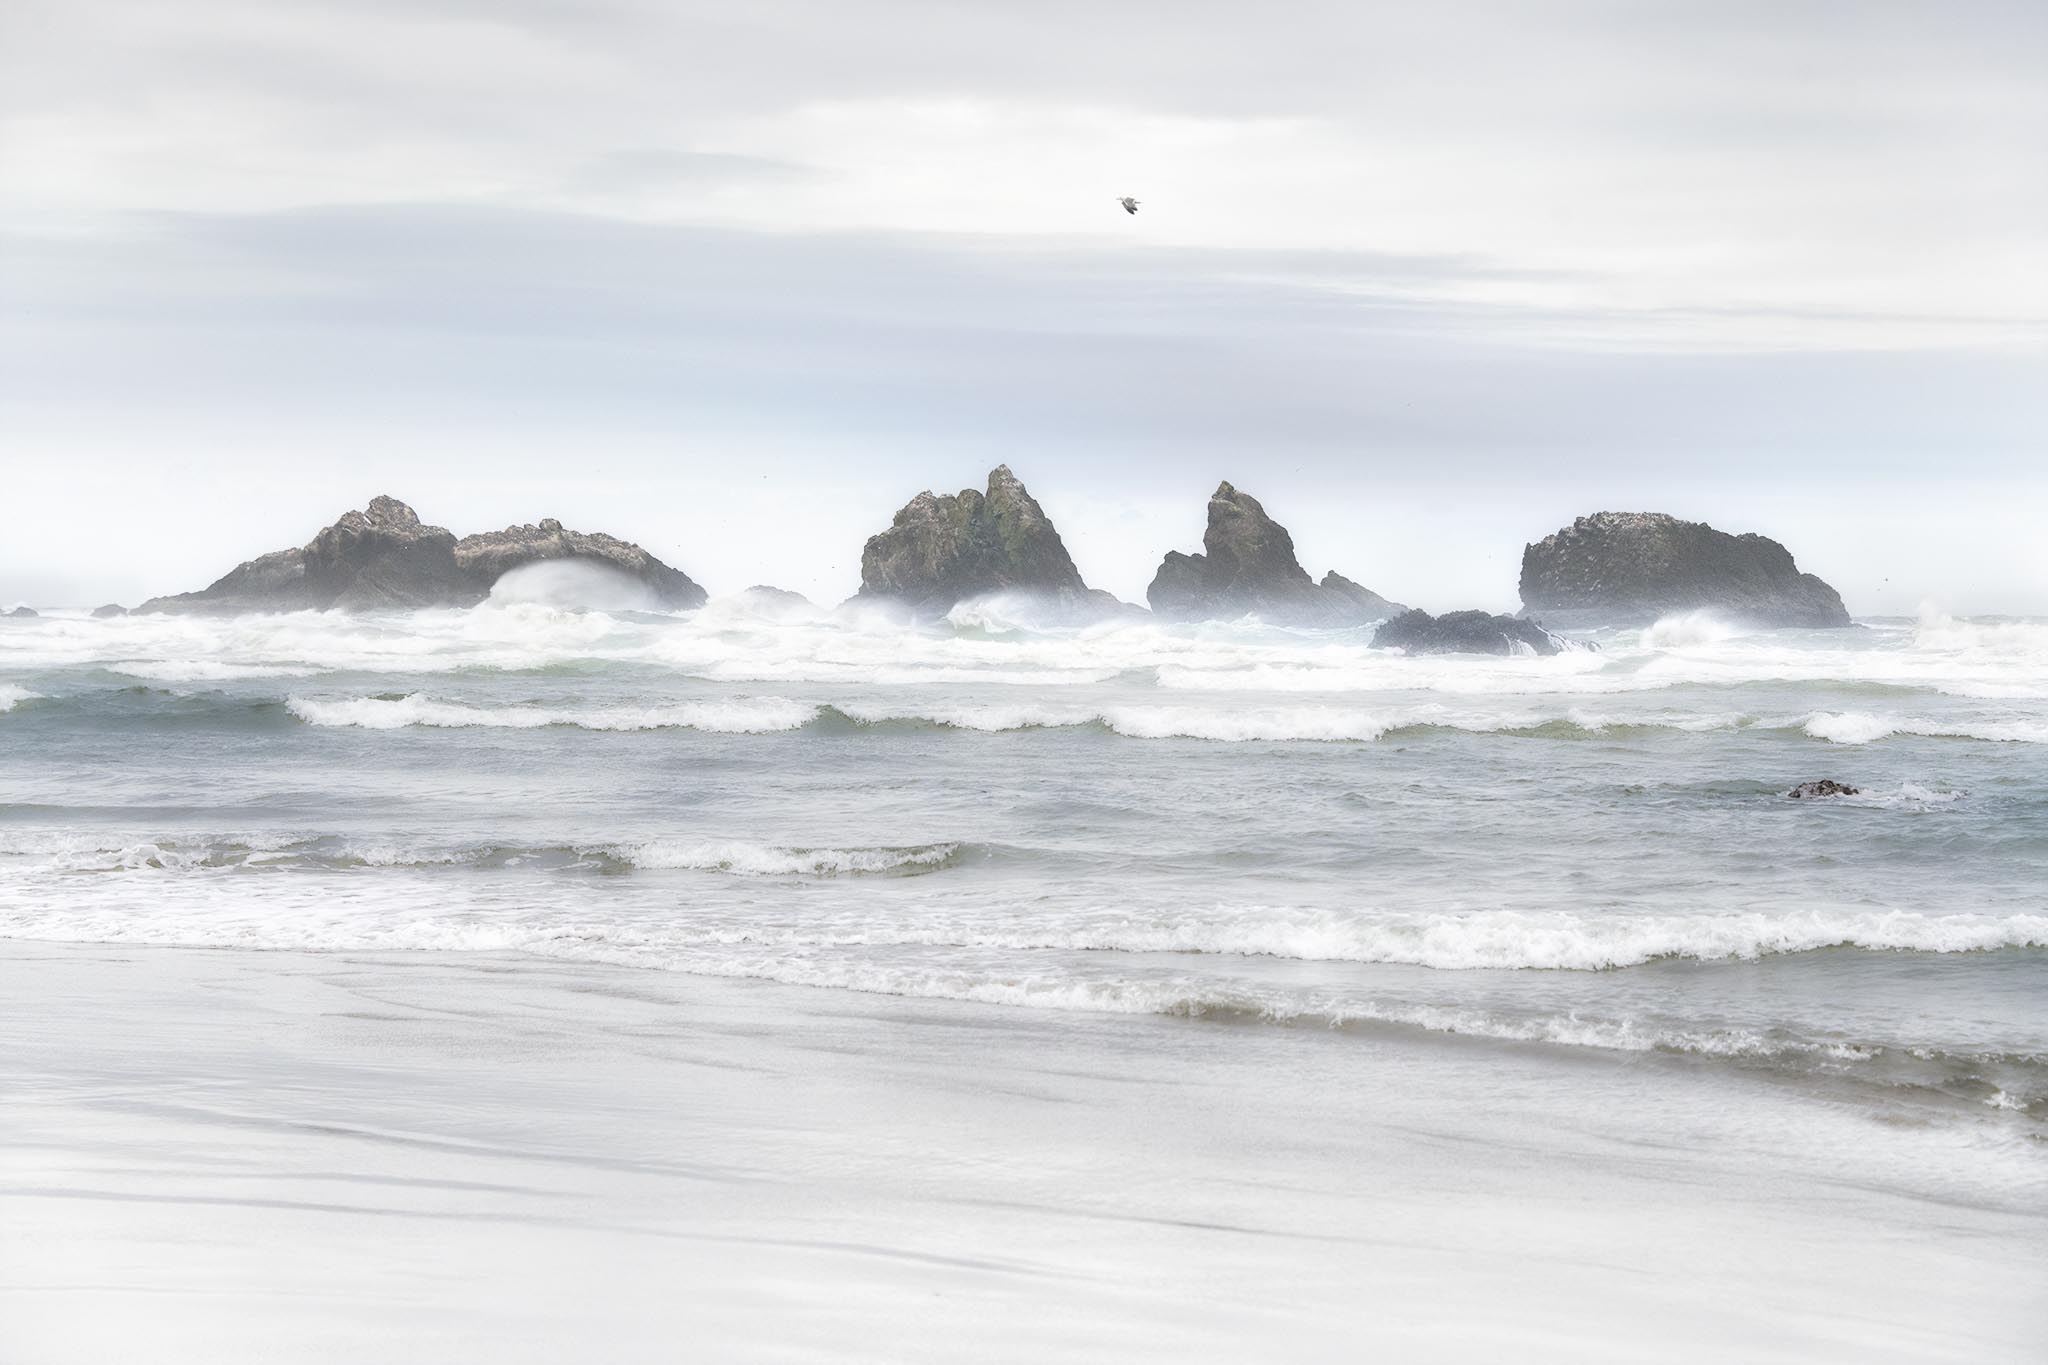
[230, 1156]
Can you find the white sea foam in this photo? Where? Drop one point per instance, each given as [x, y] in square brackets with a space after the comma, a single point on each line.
[203, 670]
[751, 859]
[736, 716]
[1690, 628]
[45, 851]
[1863, 727]
[756, 638]
[1472, 941]
[12, 696]
[573, 585]
[1905, 796]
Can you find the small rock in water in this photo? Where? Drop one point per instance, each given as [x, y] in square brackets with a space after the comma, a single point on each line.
[23, 612]
[110, 609]
[1827, 786]
[1465, 632]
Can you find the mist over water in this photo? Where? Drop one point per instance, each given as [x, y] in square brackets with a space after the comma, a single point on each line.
[1591, 853]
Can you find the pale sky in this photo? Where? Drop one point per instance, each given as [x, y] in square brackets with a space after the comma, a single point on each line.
[735, 281]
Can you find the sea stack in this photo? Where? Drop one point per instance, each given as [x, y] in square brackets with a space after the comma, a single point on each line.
[489, 556]
[944, 549]
[1465, 632]
[1629, 568]
[1247, 568]
[384, 558]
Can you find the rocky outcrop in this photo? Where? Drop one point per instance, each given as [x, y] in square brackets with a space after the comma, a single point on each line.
[384, 558]
[944, 549]
[379, 558]
[1465, 632]
[487, 557]
[1629, 568]
[1827, 786]
[24, 613]
[109, 610]
[1247, 568]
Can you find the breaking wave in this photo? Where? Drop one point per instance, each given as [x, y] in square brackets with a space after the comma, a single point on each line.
[39, 853]
[1689, 628]
[12, 696]
[1862, 727]
[737, 716]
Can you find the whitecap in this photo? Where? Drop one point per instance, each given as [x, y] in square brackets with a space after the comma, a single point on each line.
[736, 716]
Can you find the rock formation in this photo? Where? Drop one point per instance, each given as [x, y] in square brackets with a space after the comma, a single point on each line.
[1465, 632]
[383, 558]
[487, 557]
[1629, 568]
[24, 613]
[110, 609]
[1827, 786]
[943, 549]
[1247, 567]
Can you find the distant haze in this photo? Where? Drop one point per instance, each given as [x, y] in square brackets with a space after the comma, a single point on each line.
[734, 281]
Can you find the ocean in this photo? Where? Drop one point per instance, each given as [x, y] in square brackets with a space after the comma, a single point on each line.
[1242, 825]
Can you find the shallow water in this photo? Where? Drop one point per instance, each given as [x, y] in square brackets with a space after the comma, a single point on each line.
[1587, 852]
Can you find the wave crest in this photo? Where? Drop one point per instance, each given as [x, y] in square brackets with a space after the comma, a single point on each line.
[736, 716]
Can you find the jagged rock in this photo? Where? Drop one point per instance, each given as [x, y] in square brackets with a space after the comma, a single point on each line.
[1247, 567]
[1370, 604]
[487, 557]
[943, 549]
[110, 609]
[1465, 632]
[380, 558]
[24, 613]
[383, 558]
[1629, 568]
[1827, 786]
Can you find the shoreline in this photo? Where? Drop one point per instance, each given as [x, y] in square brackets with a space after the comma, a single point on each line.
[493, 1157]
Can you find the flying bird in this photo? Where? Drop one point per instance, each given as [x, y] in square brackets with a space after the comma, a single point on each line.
[1130, 204]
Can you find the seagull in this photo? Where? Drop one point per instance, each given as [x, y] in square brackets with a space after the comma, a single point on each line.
[1130, 204]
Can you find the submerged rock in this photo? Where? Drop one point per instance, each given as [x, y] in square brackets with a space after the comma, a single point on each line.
[384, 558]
[110, 609]
[1629, 568]
[1827, 786]
[489, 556]
[1247, 567]
[1465, 632]
[944, 549]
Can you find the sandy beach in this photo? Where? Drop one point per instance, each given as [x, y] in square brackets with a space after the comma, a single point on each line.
[213, 1155]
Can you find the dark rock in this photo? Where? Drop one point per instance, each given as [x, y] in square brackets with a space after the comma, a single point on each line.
[487, 557]
[1465, 632]
[272, 582]
[1247, 567]
[380, 558]
[943, 549]
[1629, 568]
[23, 613]
[110, 609]
[1806, 791]
[383, 558]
